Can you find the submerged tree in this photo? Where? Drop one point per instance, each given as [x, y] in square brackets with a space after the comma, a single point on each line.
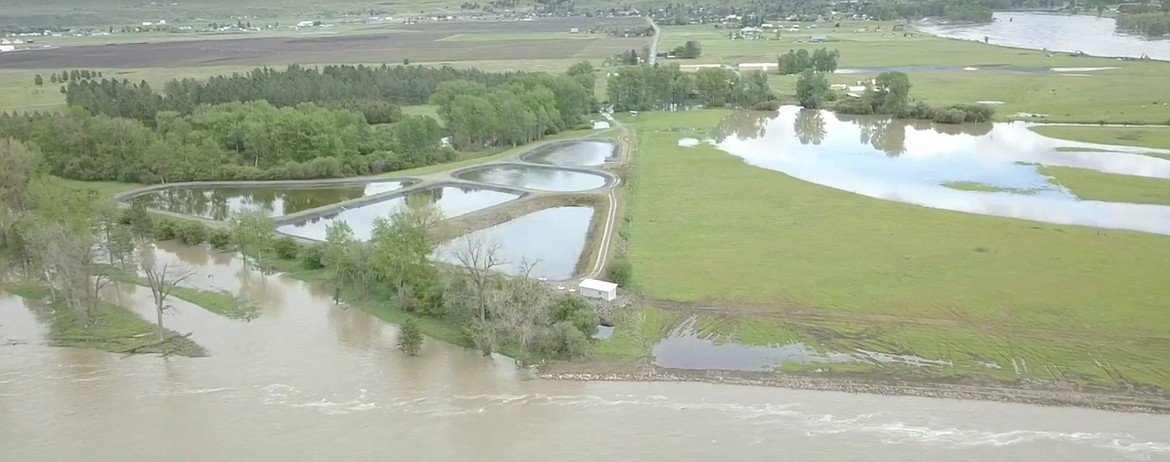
[161, 280]
[252, 233]
[410, 338]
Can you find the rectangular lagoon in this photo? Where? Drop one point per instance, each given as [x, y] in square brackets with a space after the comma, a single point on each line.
[216, 203]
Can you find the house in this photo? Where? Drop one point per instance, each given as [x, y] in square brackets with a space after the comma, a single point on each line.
[750, 33]
[593, 288]
[574, 30]
[305, 24]
[4, 48]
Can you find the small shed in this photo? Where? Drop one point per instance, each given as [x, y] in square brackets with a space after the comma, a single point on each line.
[593, 288]
[818, 38]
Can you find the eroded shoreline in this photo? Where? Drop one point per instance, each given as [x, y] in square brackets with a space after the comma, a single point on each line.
[1049, 396]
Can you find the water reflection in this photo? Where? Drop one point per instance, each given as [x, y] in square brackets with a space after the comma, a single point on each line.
[220, 203]
[574, 153]
[452, 201]
[553, 239]
[909, 161]
[1059, 32]
[541, 178]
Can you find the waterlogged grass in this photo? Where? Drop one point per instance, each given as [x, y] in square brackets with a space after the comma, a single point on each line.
[218, 302]
[1096, 186]
[975, 186]
[635, 333]
[786, 260]
[1143, 137]
[114, 329]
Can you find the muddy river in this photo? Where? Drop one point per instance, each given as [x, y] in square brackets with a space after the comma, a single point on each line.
[308, 380]
[914, 161]
[1057, 32]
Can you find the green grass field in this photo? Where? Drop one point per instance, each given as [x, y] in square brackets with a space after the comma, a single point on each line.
[1123, 136]
[782, 260]
[974, 186]
[1097, 186]
[1135, 92]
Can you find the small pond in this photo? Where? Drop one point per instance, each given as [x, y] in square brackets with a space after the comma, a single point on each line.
[538, 178]
[552, 238]
[220, 203]
[453, 201]
[573, 153]
[911, 161]
[684, 348]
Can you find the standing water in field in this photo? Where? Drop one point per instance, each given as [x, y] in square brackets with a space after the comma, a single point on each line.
[308, 380]
[911, 161]
[1093, 35]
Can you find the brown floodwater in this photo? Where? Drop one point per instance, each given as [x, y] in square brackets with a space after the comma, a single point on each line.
[308, 380]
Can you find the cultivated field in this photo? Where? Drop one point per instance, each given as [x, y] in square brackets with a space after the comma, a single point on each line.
[765, 259]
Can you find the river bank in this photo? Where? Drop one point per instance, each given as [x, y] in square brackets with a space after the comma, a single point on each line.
[1033, 393]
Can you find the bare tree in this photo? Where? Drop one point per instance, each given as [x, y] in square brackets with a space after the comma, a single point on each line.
[479, 260]
[161, 280]
[522, 309]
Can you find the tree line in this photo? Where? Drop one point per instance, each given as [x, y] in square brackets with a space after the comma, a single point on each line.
[797, 61]
[664, 87]
[233, 141]
[1149, 24]
[367, 89]
[886, 94]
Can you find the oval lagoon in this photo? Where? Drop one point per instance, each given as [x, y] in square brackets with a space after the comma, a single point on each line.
[910, 161]
[308, 380]
[573, 153]
[216, 203]
[452, 201]
[1057, 32]
[538, 178]
[552, 240]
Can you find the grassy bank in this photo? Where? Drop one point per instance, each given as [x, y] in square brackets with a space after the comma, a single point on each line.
[1096, 186]
[1122, 136]
[772, 260]
[221, 303]
[114, 329]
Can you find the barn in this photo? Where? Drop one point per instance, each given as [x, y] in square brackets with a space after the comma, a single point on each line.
[593, 288]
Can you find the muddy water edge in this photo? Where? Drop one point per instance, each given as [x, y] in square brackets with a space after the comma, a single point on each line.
[308, 380]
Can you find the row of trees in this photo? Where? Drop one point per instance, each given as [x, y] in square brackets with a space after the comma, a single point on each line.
[74, 243]
[667, 87]
[797, 61]
[887, 94]
[367, 89]
[524, 109]
[1153, 24]
[254, 141]
[690, 50]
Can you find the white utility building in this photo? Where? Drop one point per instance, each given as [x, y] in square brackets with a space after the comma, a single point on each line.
[593, 288]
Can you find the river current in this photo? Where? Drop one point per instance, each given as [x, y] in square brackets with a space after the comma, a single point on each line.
[309, 380]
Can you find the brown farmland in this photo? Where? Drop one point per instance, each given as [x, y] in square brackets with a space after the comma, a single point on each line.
[416, 42]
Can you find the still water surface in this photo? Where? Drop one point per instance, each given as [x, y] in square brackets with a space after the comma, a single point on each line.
[452, 201]
[1057, 32]
[308, 380]
[220, 203]
[573, 153]
[910, 161]
[539, 178]
[551, 240]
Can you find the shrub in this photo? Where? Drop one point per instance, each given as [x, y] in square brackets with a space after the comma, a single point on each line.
[620, 271]
[286, 248]
[566, 341]
[311, 257]
[576, 310]
[950, 116]
[919, 110]
[410, 338]
[975, 112]
[220, 238]
[854, 106]
[770, 105]
[165, 230]
[191, 233]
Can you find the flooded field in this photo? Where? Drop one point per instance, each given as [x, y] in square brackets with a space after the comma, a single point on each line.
[972, 68]
[553, 239]
[574, 153]
[909, 161]
[452, 201]
[313, 381]
[220, 203]
[1057, 32]
[538, 178]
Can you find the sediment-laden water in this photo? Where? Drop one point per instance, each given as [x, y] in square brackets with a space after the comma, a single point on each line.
[308, 380]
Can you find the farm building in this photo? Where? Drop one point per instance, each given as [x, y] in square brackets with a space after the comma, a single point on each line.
[600, 125]
[750, 33]
[593, 288]
[818, 38]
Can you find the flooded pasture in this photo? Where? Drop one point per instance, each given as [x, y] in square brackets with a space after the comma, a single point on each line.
[1093, 35]
[216, 203]
[574, 153]
[452, 201]
[310, 380]
[971, 68]
[911, 161]
[533, 177]
[552, 240]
